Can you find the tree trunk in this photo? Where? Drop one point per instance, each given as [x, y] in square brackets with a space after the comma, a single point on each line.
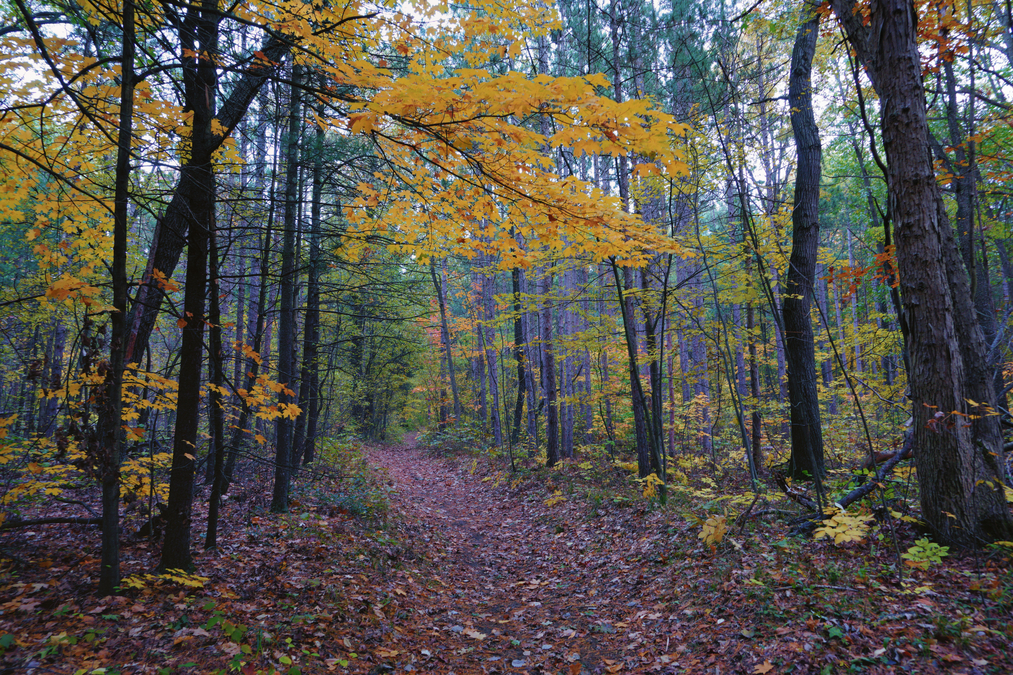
[171, 228]
[198, 36]
[112, 432]
[216, 448]
[257, 315]
[549, 373]
[959, 459]
[441, 297]
[520, 356]
[286, 324]
[487, 335]
[806, 433]
[309, 383]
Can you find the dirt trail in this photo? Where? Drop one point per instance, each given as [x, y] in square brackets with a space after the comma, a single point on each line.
[517, 585]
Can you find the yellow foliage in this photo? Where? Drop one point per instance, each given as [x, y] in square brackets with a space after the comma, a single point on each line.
[556, 498]
[843, 528]
[650, 484]
[714, 529]
[180, 577]
[136, 474]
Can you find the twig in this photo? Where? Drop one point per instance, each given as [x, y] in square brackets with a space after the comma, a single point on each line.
[741, 519]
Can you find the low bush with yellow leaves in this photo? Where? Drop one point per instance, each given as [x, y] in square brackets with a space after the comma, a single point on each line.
[843, 528]
[714, 530]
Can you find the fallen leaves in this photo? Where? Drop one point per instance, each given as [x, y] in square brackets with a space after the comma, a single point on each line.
[474, 574]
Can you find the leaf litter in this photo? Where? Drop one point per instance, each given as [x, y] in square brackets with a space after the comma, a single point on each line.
[477, 571]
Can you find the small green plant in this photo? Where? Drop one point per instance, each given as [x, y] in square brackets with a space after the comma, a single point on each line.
[925, 553]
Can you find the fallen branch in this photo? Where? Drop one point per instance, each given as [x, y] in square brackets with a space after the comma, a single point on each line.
[881, 473]
[806, 524]
[792, 493]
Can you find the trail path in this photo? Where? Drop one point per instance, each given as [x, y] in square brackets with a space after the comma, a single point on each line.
[522, 586]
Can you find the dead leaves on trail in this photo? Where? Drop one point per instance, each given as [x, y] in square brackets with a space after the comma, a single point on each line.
[480, 573]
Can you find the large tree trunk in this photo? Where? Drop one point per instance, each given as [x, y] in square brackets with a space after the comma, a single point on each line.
[806, 434]
[112, 431]
[309, 382]
[959, 459]
[198, 35]
[286, 324]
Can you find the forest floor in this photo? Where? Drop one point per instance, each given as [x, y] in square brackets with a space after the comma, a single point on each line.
[418, 562]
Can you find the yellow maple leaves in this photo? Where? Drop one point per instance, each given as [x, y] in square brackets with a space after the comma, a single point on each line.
[843, 528]
[464, 146]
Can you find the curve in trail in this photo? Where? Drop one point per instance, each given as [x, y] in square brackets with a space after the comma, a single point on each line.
[512, 585]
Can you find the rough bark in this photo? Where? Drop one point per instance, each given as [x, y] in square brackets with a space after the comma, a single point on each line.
[198, 35]
[286, 324]
[806, 460]
[112, 433]
[960, 460]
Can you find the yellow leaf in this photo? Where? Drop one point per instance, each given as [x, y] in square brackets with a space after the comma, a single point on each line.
[763, 668]
[360, 123]
[713, 530]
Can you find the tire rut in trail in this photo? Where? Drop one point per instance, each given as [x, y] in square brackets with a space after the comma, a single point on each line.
[507, 592]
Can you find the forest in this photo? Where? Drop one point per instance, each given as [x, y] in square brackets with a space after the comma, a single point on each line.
[371, 336]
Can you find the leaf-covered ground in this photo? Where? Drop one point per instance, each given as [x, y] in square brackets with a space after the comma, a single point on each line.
[441, 564]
